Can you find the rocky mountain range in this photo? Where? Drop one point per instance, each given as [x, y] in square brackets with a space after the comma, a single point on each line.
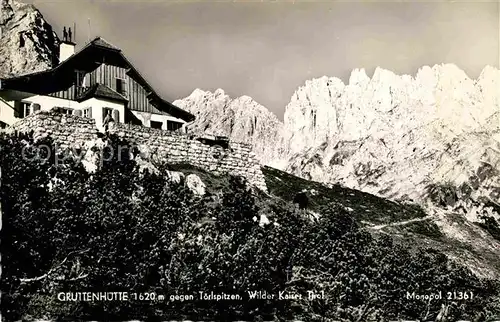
[27, 41]
[396, 136]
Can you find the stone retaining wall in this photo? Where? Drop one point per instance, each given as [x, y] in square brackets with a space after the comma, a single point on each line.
[173, 147]
[164, 146]
[67, 130]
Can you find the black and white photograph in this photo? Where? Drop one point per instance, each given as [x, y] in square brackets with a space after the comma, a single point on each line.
[250, 160]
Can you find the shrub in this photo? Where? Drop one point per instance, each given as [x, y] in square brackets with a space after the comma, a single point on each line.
[119, 229]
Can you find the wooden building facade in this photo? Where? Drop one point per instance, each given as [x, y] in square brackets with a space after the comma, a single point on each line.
[100, 71]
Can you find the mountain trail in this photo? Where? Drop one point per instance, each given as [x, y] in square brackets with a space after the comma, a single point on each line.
[400, 223]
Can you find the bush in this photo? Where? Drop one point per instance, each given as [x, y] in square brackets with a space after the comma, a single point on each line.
[122, 230]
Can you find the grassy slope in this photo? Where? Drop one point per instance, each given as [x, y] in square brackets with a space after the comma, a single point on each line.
[472, 248]
[372, 211]
[366, 207]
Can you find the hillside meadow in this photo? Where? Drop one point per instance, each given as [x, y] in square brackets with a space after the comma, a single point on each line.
[121, 229]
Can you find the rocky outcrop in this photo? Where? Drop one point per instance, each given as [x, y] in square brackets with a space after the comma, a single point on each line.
[27, 42]
[325, 109]
[241, 119]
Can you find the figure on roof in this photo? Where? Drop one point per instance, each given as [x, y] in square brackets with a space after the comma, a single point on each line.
[69, 34]
[65, 34]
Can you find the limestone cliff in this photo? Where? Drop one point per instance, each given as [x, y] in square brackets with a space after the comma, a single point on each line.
[27, 41]
[396, 136]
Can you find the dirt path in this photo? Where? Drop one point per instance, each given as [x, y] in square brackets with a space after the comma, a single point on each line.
[400, 223]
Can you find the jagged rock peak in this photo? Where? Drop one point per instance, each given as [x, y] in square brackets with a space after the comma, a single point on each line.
[324, 79]
[382, 74]
[358, 76]
[448, 70]
[219, 92]
[27, 42]
[200, 97]
[246, 98]
[489, 71]
[198, 92]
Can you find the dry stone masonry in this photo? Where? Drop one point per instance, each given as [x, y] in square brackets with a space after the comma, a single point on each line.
[172, 147]
[70, 131]
[67, 130]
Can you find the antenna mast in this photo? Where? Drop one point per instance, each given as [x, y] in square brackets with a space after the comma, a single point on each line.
[88, 40]
[74, 32]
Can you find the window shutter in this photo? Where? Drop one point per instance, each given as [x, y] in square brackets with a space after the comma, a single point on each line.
[116, 116]
[17, 109]
[104, 112]
[90, 112]
[77, 113]
[86, 80]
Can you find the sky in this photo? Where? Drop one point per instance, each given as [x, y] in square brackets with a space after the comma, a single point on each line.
[266, 49]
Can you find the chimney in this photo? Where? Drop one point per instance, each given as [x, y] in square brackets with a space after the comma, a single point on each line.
[67, 46]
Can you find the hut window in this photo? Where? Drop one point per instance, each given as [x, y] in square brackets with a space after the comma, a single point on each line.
[22, 109]
[120, 86]
[156, 125]
[87, 112]
[173, 126]
[80, 79]
[106, 111]
[26, 108]
[67, 110]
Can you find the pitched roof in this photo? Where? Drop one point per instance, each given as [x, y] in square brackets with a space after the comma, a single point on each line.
[68, 42]
[52, 80]
[101, 91]
[98, 41]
